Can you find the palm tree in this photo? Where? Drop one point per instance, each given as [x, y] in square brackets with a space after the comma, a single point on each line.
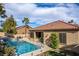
[26, 21]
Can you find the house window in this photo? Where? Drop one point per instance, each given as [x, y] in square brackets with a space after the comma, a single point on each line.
[62, 38]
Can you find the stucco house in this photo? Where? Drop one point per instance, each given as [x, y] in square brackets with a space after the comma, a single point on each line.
[22, 30]
[68, 34]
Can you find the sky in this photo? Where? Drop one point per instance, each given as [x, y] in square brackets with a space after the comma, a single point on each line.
[42, 13]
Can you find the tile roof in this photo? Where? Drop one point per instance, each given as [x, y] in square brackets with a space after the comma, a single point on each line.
[57, 25]
[22, 27]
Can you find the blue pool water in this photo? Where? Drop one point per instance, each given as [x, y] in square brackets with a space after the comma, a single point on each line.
[22, 46]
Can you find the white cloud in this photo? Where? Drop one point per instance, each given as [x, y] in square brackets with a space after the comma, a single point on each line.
[43, 15]
[42, 11]
[20, 8]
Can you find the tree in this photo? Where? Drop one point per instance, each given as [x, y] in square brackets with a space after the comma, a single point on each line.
[71, 21]
[4, 49]
[2, 11]
[9, 26]
[54, 40]
[26, 21]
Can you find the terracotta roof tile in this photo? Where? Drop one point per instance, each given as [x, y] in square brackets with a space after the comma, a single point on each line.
[57, 25]
[22, 27]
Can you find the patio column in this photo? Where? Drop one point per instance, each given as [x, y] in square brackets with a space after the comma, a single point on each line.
[44, 38]
[34, 35]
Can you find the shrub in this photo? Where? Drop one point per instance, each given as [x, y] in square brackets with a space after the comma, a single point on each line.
[5, 49]
[9, 51]
[54, 40]
[54, 53]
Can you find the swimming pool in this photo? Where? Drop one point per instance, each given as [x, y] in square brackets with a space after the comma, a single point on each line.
[22, 46]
